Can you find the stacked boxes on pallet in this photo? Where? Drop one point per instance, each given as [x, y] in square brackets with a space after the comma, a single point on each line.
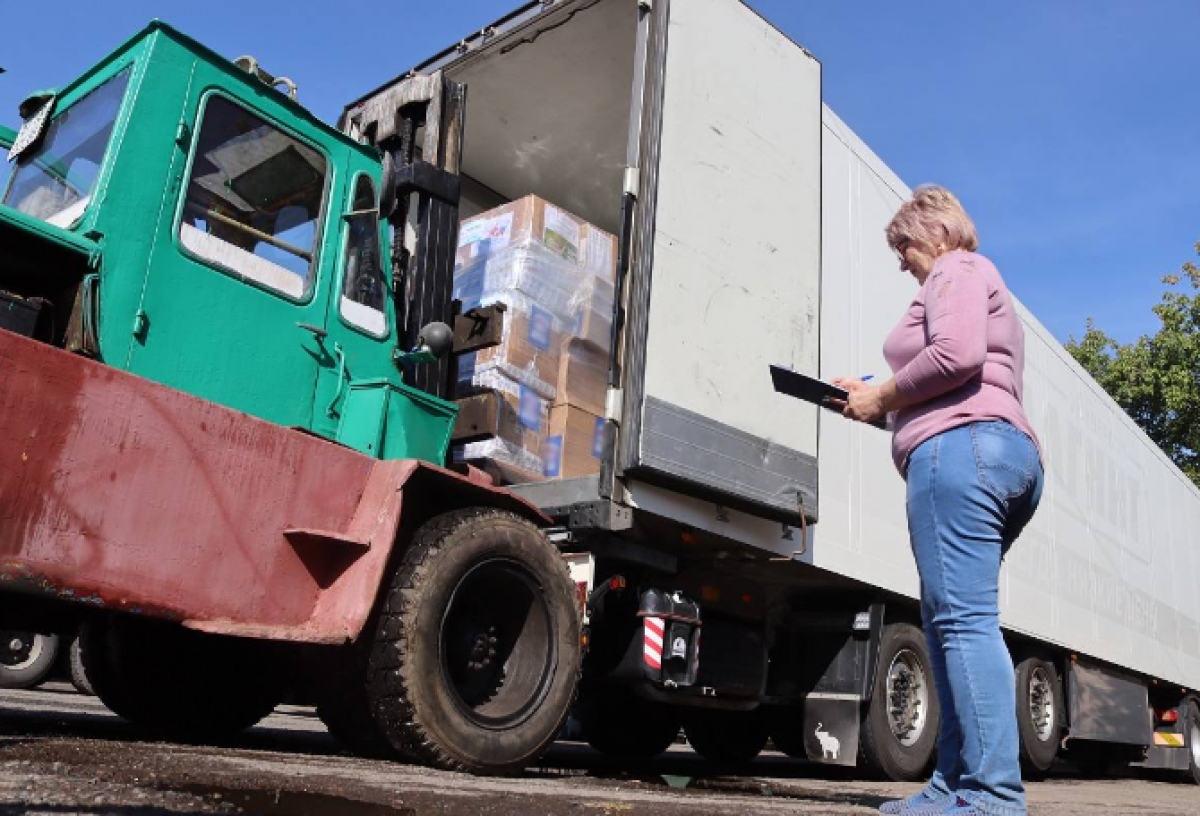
[554, 272]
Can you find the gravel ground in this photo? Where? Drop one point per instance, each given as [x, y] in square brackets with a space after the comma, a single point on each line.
[64, 754]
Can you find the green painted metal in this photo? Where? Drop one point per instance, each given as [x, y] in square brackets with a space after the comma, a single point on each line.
[170, 315]
[391, 421]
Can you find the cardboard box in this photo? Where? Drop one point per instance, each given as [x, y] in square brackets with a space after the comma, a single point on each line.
[521, 421]
[592, 312]
[533, 220]
[575, 444]
[582, 376]
[554, 271]
[502, 460]
[529, 353]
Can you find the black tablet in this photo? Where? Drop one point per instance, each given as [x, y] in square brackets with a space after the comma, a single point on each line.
[809, 389]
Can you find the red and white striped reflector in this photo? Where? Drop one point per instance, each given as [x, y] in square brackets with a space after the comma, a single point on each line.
[652, 651]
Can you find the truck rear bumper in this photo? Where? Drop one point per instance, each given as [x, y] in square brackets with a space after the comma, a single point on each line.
[123, 494]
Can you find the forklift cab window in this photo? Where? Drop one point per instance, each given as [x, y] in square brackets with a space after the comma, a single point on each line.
[54, 181]
[363, 291]
[5, 167]
[253, 201]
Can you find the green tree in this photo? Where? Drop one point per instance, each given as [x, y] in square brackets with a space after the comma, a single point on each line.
[1157, 378]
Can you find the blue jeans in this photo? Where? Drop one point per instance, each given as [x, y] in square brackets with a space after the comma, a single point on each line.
[971, 490]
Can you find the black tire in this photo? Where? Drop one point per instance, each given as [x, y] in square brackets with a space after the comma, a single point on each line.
[476, 656]
[75, 667]
[1039, 713]
[178, 683]
[623, 725]
[727, 737]
[786, 731]
[25, 658]
[1190, 717]
[344, 704]
[899, 730]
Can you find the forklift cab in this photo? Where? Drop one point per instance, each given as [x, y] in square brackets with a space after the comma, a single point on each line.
[229, 244]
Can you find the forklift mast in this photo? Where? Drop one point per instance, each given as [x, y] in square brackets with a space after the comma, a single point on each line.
[418, 124]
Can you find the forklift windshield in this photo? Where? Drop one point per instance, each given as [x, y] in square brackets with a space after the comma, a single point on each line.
[54, 181]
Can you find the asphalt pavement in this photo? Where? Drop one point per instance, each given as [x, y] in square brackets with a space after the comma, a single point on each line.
[64, 754]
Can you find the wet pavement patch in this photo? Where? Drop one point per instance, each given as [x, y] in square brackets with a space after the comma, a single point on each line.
[290, 803]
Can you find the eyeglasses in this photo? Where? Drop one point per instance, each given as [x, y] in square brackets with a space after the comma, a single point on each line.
[902, 248]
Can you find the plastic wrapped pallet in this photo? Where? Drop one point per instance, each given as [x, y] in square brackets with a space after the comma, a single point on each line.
[538, 259]
[529, 351]
[554, 272]
[522, 426]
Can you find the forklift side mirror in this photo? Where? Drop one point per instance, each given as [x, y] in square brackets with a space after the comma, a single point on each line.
[35, 110]
[437, 338]
[435, 342]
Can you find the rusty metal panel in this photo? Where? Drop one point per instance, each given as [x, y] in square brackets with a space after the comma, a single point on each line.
[131, 495]
[128, 495]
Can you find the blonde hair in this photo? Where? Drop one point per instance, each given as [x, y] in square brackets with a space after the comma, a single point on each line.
[934, 218]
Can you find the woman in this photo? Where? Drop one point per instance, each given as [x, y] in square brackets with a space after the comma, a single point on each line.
[974, 476]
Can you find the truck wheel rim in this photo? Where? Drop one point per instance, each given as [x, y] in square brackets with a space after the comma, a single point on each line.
[1041, 704]
[497, 644]
[19, 650]
[1194, 740]
[907, 697]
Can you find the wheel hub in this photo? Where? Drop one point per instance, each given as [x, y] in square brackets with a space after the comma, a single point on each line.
[907, 696]
[1041, 704]
[497, 653]
[483, 649]
[19, 649]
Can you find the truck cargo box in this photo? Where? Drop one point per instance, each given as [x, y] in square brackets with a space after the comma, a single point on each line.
[712, 186]
[750, 222]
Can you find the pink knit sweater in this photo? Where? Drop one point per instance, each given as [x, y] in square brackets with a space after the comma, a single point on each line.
[960, 350]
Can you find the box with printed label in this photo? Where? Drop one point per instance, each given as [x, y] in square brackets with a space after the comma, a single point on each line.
[535, 222]
[575, 444]
[529, 352]
[520, 424]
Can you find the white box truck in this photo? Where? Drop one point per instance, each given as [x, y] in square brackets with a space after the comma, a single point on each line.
[750, 228]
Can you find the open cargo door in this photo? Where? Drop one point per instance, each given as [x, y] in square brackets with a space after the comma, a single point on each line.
[726, 260]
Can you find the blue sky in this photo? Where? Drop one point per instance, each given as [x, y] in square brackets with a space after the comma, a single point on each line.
[1069, 128]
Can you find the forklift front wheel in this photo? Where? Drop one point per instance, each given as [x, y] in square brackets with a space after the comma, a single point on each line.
[476, 656]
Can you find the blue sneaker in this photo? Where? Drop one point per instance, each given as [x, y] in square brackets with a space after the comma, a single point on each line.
[922, 799]
[948, 806]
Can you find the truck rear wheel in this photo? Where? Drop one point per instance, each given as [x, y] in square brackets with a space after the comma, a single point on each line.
[25, 658]
[1039, 710]
[728, 737]
[176, 682]
[899, 731]
[476, 656]
[78, 671]
[1191, 731]
[621, 724]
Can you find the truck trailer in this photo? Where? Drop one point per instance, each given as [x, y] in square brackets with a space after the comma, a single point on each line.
[227, 400]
